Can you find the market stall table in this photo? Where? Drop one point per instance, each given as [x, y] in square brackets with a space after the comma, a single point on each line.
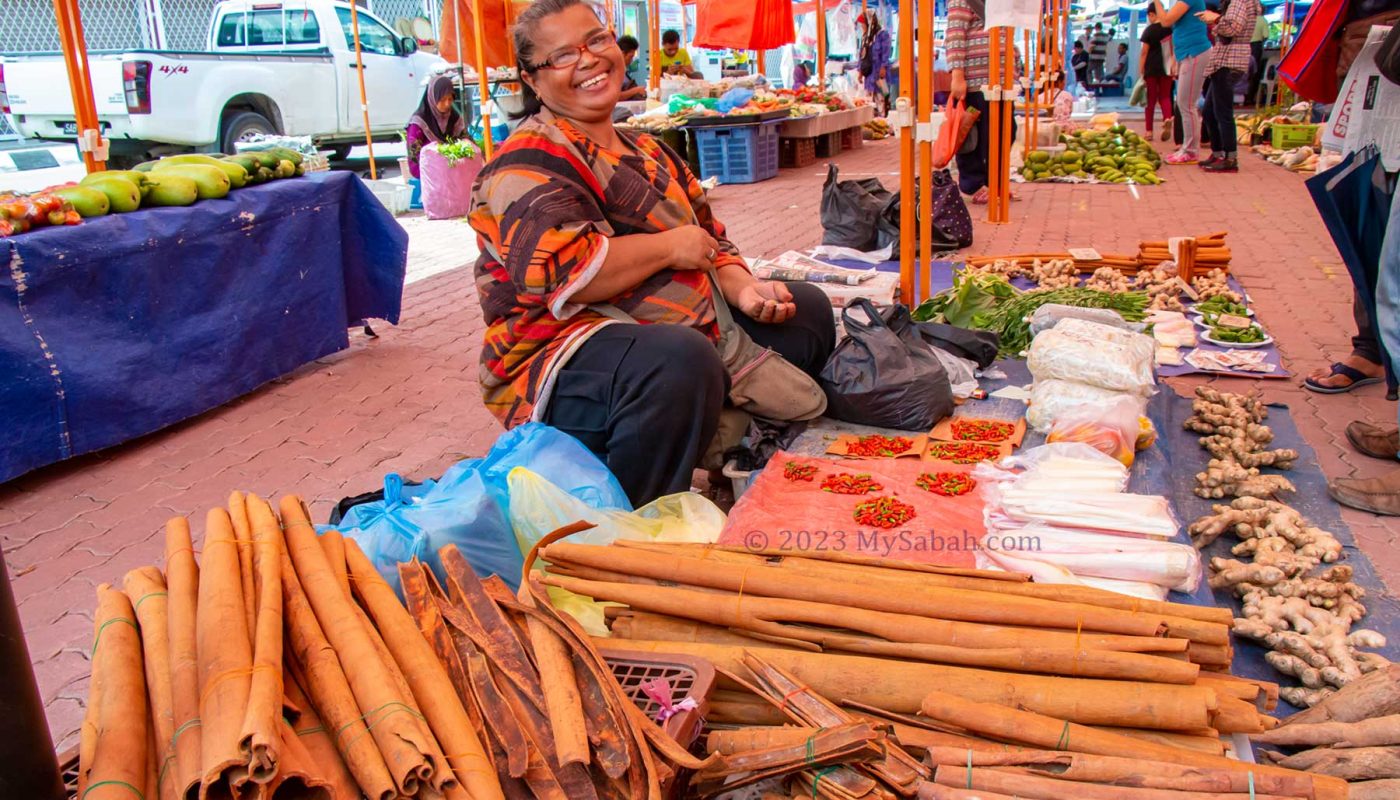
[128, 323]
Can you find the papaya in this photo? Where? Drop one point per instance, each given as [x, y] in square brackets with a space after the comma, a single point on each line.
[86, 200]
[237, 175]
[211, 181]
[286, 169]
[248, 163]
[173, 189]
[139, 178]
[1038, 157]
[122, 194]
[264, 158]
[146, 166]
[287, 154]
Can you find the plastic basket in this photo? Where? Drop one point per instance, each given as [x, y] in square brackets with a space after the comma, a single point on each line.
[829, 144]
[796, 152]
[393, 194]
[739, 154]
[688, 677]
[740, 479]
[1287, 137]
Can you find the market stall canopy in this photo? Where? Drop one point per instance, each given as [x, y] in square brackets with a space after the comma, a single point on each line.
[496, 38]
[761, 25]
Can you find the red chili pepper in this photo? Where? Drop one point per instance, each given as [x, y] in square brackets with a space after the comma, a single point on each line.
[846, 483]
[876, 446]
[883, 512]
[963, 452]
[794, 471]
[982, 430]
[948, 484]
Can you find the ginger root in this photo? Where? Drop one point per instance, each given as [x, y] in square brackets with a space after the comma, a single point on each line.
[1230, 479]
[1215, 284]
[1108, 279]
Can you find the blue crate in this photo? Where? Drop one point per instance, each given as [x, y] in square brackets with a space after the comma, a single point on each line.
[739, 153]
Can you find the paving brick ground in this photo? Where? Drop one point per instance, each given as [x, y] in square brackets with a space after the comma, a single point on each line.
[408, 401]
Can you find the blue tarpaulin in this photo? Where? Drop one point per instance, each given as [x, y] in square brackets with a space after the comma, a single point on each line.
[128, 323]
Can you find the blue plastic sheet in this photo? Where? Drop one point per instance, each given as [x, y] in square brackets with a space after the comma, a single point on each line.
[126, 324]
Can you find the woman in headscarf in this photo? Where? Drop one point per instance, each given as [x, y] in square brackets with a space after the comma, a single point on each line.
[435, 120]
[874, 58]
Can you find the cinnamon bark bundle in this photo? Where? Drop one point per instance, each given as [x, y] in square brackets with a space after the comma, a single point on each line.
[225, 660]
[145, 589]
[182, 588]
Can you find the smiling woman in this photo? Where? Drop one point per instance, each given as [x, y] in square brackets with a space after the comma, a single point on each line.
[585, 227]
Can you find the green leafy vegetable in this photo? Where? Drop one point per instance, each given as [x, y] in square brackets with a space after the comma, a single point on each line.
[455, 151]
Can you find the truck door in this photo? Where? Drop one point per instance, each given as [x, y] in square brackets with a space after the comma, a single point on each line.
[392, 80]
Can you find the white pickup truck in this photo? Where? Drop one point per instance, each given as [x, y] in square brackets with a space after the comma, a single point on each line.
[271, 67]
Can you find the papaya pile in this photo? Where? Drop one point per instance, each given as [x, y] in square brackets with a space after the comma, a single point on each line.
[171, 181]
[1116, 155]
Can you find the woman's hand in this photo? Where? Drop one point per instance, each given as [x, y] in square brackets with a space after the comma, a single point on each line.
[692, 248]
[1208, 17]
[766, 301]
[958, 91]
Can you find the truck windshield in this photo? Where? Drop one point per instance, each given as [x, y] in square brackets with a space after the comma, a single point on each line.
[260, 28]
[374, 37]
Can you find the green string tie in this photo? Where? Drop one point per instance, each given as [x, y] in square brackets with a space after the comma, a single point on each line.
[143, 598]
[122, 784]
[821, 773]
[100, 628]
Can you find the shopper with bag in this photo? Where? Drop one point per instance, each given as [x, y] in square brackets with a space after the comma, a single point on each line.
[874, 59]
[969, 59]
[585, 230]
[435, 120]
[1191, 46]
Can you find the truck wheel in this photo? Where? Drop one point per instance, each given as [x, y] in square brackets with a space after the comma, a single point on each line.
[242, 125]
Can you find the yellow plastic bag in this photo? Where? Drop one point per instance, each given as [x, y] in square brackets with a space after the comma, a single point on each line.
[538, 508]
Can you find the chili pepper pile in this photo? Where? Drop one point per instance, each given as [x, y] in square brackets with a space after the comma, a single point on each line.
[948, 484]
[883, 512]
[846, 483]
[982, 430]
[794, 471]
[875, 445]
[963, 452]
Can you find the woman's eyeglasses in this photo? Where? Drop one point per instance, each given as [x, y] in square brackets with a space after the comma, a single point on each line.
[598, 44]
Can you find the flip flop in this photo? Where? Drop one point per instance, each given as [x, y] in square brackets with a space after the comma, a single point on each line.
[1357, 377]
[981, 197]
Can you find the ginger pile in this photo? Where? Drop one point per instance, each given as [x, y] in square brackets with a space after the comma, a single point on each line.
[1006, 267]
[1233, 431]
[1305, 619]
[1057, 273]
[1215, 284]
[1108, 279]
[1162, 287]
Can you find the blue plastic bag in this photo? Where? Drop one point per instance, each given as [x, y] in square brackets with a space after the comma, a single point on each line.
[469, 506]
[733, 98]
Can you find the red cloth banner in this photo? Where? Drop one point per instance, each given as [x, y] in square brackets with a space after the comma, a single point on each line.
[736, 25]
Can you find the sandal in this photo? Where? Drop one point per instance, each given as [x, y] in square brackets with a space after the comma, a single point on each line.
[1356, 376]
[981, 197]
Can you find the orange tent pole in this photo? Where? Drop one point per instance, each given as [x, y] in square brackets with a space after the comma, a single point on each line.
[654, 26]
[70, 28]
[993, 123]
[821, 43]
[1033, 95]
[1008, 95]
[510, 23]
[364, 100]
[925, 118]
[762, 62]
[904, 106]
[483, 85]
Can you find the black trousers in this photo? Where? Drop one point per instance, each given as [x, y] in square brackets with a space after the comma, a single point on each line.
[647, 398]
[1220, 110]
[1256, 71]
[973, 166]
[1365, 344]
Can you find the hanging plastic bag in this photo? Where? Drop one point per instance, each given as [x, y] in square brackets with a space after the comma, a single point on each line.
[883, 374]
[447, 184]
[948, 141]
[1111, 427]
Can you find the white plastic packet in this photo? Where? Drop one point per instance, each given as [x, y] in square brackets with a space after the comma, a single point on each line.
[852, 254]
[1052, 314]
[962, 373]
[1052, 398]
[1107, 364]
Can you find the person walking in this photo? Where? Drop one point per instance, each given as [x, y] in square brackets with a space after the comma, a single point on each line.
[1098, 53]
[1190, 45]
[1154, 59]
[1227, 62]
[969, 53]
[874, 60]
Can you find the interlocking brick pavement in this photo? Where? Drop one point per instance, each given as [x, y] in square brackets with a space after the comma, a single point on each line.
[408, 400]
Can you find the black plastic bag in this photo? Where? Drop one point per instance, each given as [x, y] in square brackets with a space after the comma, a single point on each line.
[979, 347]
[851, 210]
[952, 223]
[883, 374]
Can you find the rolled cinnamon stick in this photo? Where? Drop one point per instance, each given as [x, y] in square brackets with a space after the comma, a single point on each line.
[182, 587]
[243, 534]
[561, 697]
[225, 659]
[1036, 787]
[262, 732]
[119, 766]
[145, 589]
[316, 738]
[334, 544]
